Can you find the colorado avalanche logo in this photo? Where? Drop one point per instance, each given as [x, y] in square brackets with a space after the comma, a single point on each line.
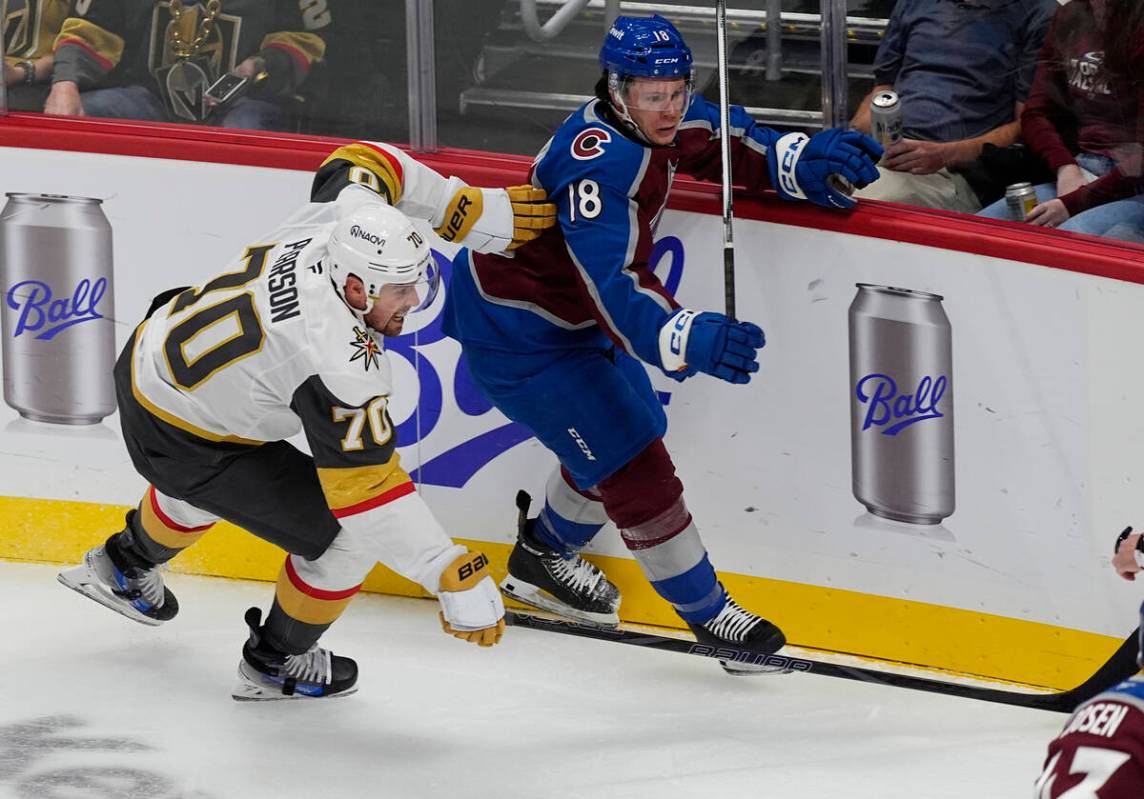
[589, 143]
[368, 350]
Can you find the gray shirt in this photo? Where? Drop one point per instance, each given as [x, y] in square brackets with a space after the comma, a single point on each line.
[960, 66]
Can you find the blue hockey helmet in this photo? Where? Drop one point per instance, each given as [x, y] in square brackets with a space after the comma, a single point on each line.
[645, 47]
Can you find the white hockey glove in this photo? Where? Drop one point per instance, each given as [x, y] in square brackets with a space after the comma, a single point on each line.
[493, 220]
[471, 606]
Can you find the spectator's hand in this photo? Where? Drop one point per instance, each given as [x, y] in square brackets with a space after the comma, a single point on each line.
[63, 100]
[12, 74]
[250, 67]
[1050, 214]
[918, 157]
[1125, 559]
[1070, 177]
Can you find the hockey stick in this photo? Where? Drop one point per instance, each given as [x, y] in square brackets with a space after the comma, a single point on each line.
[1120, 666]
[725, 148]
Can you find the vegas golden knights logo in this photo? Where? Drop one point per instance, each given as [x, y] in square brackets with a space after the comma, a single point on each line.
[22, 20]
[191, 46]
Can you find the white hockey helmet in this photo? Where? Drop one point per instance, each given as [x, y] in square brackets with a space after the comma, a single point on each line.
[380, 246]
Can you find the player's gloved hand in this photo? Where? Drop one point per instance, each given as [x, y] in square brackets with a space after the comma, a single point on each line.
[493, 220]
[712, 343]
[471, 606]
[803, 166]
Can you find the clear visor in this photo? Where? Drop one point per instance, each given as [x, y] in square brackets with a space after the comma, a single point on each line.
[415, 296]
[652, 94]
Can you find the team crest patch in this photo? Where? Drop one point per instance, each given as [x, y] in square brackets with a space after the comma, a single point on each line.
[589, 143]
[366, 349]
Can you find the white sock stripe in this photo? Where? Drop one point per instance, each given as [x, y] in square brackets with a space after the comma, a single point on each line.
[672, 558]
[570, 504]
[181, 512]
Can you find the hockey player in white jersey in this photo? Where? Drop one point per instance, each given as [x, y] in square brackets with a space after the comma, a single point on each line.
[290, 339]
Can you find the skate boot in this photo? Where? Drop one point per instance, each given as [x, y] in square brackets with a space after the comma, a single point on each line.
[567, 586]
[136, 592]
[751, 636]
[265, 674]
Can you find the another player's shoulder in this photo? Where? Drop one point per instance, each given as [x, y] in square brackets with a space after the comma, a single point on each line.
[588, 146]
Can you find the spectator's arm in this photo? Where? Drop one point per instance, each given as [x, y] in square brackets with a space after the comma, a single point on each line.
[861, 120]
[1127, 177]
[89, 46]
[966, 150]
[1047, 111]
[287, 57]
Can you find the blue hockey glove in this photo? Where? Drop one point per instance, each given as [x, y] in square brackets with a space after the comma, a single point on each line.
[804, 165]
[711, 343]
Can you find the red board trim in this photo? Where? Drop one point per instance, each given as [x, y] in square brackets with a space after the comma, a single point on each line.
[945, 230]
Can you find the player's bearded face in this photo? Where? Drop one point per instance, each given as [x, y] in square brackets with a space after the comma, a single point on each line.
[387, 316]
[656, 106]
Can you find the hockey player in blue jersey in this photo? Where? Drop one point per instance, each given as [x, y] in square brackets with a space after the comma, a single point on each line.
[554, 336]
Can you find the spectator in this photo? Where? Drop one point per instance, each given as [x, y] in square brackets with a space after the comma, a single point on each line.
[116, 60]
[29, 29]
[962, 70]
[1084, 121]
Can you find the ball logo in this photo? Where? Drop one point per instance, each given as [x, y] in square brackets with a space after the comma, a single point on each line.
[359, 233]
[589, 143]
[885, 405]
[41, 312]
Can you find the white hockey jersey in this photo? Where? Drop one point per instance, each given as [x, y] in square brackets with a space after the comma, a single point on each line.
[224, 361]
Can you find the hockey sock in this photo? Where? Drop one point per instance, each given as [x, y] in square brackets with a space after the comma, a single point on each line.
[302, 611]
[160, 530]
[571, 517]
[645, 500]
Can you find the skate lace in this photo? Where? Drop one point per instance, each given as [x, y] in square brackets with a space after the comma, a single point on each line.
[577, 573]
[732, 623]
[313, 665]
[148, 583]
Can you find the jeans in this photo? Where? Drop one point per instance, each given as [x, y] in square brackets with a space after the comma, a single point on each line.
[139, 102]
[1122, 219]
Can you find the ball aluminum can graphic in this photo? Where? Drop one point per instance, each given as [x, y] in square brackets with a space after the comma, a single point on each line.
[58, 308]
[1021, 198]
[886, 118]
[901, 404]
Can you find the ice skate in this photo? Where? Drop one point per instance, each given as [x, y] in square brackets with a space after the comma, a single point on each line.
[567, 586]
[265, 674]
[137, 593]
[739, 629]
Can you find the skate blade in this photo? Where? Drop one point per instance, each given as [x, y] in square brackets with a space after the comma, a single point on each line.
[532, 596]
[81, 580]
[248, 690]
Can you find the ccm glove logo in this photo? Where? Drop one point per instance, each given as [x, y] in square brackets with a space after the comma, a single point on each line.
[789, 149]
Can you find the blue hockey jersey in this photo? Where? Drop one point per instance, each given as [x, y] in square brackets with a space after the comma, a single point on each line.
[587, 281]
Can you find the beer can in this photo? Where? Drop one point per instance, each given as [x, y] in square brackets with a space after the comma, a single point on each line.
[58, 308]
[886, 118]
[901, 404]
[1021, 198]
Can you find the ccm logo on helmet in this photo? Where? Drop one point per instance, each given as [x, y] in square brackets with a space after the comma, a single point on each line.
[358, 233]
[589, 143]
